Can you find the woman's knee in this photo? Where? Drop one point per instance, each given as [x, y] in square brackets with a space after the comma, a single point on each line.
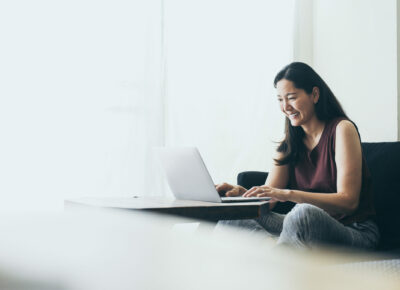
[302, 218]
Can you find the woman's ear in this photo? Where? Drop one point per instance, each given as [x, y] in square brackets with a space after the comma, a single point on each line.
[315, 94]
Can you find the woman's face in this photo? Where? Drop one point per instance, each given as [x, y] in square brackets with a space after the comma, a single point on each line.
[295, 103]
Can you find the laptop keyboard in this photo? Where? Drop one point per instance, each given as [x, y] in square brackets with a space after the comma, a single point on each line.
[244, 199]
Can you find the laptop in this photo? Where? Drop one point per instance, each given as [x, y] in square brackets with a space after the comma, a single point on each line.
[188, 177]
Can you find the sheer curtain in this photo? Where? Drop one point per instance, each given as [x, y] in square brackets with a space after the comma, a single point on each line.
[80, 91]
[87, 88]
[222, 57]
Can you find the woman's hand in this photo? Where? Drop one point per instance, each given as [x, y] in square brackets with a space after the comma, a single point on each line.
[226, 189]
[276, 194]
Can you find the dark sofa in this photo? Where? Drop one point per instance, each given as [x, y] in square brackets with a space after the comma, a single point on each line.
[382, 159]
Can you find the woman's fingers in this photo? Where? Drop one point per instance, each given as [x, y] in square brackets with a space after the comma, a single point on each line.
[233, 192]
[257, 191]
[224, 186]
[252, 191]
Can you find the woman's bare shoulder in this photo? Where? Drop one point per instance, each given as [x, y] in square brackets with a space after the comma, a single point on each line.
[346, 128]
[345, 124]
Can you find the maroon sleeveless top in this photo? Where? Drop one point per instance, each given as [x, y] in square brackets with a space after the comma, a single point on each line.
[316, 172]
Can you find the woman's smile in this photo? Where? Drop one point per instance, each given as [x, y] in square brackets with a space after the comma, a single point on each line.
[293, 115]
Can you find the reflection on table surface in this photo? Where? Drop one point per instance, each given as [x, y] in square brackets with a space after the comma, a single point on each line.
[110, 249]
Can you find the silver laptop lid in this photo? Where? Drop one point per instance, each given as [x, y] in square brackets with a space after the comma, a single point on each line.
[187, 174]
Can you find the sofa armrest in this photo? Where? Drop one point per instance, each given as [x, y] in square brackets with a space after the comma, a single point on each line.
[248, 179]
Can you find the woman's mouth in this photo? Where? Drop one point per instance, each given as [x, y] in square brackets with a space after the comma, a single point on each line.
[293, 115]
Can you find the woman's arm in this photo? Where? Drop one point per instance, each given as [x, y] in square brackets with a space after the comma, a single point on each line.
[348, 158]
[278, 176]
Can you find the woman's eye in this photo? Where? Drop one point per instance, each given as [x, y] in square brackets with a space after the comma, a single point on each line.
[291, 98]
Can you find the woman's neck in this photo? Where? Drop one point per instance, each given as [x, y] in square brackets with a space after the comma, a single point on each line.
[313, 129]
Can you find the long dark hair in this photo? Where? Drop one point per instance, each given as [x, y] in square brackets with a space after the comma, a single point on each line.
[327, 108]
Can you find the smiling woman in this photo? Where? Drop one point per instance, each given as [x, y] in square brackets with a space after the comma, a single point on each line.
[319, 166]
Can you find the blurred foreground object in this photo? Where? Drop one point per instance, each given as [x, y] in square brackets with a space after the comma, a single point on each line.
[113, 249]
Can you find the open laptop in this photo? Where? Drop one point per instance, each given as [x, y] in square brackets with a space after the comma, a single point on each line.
[189, 178]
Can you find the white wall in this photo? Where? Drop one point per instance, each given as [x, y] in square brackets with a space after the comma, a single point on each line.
[354, 50]
[398, 68]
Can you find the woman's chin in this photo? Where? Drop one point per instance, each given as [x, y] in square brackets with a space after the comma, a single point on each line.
[294, 123]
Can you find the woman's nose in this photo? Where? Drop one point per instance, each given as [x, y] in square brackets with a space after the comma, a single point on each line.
[286, 105]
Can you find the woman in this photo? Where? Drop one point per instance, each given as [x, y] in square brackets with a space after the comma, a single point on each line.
[319, 166]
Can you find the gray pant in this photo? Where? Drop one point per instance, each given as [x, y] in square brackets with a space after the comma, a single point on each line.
[307, 225]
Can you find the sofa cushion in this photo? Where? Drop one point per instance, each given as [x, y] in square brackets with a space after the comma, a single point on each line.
[383, 159]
